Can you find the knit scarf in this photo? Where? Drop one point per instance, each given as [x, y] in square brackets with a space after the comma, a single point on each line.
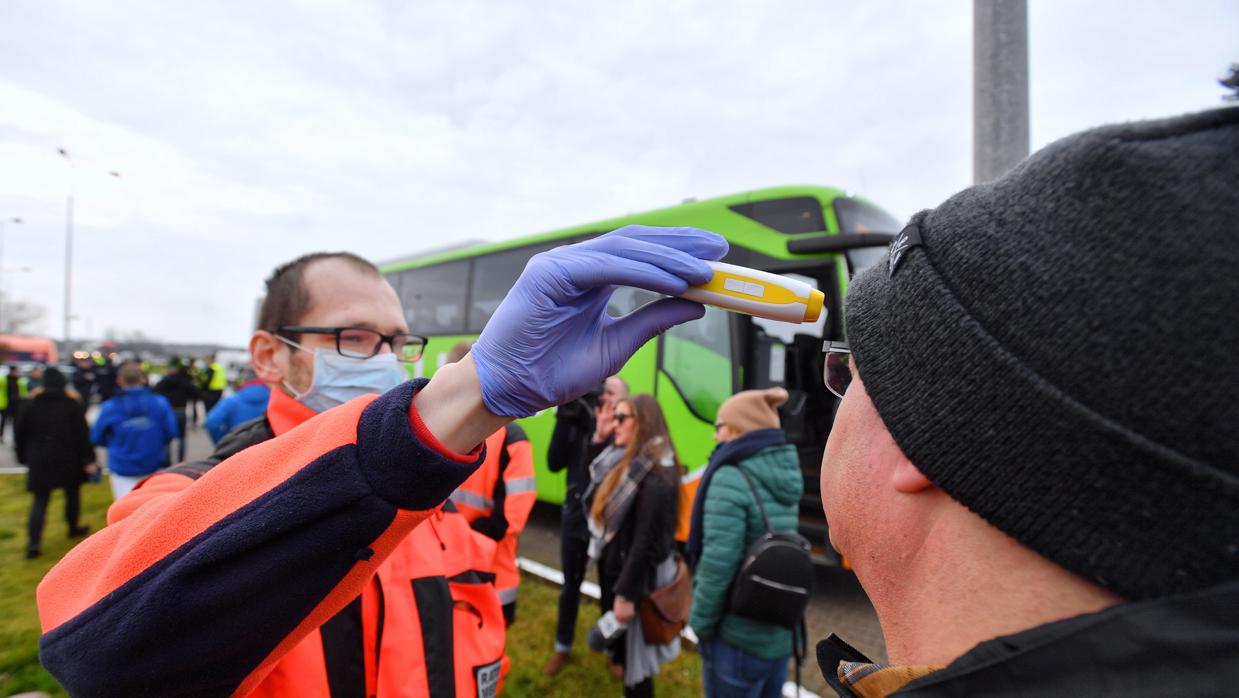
[727, 453]
[615, 511]
[598, 469]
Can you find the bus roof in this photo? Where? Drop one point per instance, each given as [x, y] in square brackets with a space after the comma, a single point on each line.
[686, 209]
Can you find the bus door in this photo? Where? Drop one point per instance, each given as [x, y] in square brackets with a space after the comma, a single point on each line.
[789, 356]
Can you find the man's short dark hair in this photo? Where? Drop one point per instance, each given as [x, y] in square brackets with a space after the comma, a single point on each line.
[287, 297]
[130, 375]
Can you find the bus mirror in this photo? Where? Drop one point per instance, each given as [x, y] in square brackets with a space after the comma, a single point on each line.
[839, 242]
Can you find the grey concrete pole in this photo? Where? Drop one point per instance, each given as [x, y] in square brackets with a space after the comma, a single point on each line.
[68, 265]
[1000, 87]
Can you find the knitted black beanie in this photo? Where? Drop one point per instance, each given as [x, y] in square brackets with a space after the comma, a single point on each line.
[1058, 350]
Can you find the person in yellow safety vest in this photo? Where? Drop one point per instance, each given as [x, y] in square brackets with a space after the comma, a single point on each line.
[215, 384]
[13, 389]
[498, 497]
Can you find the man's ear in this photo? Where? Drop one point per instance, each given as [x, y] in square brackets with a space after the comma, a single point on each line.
[907, 478]
[264, 350]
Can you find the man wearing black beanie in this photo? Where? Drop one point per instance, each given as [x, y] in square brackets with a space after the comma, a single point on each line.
[1035, 467]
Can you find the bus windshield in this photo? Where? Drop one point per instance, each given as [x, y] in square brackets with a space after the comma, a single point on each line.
[856, 216]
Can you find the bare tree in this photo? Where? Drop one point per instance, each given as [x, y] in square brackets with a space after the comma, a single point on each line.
[1231, 81]
[18, 316]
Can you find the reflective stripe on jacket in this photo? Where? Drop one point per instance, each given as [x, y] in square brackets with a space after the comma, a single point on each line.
[497, 500]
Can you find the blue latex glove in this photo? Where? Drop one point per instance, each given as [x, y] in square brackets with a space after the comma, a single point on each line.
[551, 339]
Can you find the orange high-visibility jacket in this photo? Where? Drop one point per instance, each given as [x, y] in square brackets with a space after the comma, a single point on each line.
[497, 500]
[428, 624]
[296, 549]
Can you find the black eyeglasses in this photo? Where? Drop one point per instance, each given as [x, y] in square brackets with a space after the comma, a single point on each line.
[837, 368]
[619, 418]
[362, 343]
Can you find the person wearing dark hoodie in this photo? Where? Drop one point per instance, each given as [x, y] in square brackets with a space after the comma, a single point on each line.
[53, 441]
[250, 402]
[180, 391]
[741, 657]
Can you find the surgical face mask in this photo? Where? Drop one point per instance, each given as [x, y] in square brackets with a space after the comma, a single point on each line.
[338, 379]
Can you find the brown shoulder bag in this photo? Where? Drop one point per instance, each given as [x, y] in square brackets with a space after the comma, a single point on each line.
[664, 612]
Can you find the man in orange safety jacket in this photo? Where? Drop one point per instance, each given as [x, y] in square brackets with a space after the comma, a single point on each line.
[498, 498]
[292, 557]
[210, 576]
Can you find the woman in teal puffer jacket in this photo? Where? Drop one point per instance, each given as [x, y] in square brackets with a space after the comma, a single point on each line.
[741, 657]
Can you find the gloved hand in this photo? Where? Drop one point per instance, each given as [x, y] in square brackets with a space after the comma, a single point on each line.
[552, 340]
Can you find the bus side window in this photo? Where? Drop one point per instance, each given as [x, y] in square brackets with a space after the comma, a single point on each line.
[697, 357]
[493, 276]
[626, 299]
[434, 297]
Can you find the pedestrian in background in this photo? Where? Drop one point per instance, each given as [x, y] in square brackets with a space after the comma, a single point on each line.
[583, 429]
[136, 427]
[215, 380]
[53, 441]
[634, 514]
[741, 656]
[84, 379]
[249, 402]
[13, 389]
[35, 380]
[105, 378]
[179, 390]
[198, 376]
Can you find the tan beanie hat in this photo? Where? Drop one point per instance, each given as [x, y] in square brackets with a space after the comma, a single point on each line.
[750, 410]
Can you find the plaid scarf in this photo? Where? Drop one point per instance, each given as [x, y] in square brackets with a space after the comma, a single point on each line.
[615, 511]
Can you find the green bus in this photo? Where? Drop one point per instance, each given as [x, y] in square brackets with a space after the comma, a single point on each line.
[816, 234]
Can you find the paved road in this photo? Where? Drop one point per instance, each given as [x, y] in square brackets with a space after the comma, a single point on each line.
[197, 445]
[839, 604]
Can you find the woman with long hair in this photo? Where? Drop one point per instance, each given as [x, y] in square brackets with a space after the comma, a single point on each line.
[634, 514]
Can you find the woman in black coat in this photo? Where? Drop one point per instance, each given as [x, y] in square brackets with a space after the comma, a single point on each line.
[53, 440]
[634, 514]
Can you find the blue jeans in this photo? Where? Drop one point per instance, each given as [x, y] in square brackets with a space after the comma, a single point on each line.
[730, 672]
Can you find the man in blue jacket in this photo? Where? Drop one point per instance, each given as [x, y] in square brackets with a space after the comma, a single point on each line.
[250, 402]
[136, 427]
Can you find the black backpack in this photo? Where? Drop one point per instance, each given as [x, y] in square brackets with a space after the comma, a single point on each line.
[775, 580]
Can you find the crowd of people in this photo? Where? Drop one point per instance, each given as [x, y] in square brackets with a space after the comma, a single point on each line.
[1037, 500]
[143, 429]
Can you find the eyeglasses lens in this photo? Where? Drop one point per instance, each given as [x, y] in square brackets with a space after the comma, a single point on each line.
[838, 372]
[410, 349]
[359, 343]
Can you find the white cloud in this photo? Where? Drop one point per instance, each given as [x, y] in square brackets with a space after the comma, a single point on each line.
[248, 133]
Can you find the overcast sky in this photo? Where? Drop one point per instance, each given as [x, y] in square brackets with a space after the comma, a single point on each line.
[249, 133]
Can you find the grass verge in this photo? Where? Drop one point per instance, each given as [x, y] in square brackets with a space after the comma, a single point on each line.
[530, 640]
[20, 670]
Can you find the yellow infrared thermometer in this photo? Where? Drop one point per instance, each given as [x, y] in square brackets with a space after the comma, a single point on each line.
[759, 293]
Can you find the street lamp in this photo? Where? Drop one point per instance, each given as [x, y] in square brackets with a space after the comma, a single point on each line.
[2, 222]
[69, 241]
